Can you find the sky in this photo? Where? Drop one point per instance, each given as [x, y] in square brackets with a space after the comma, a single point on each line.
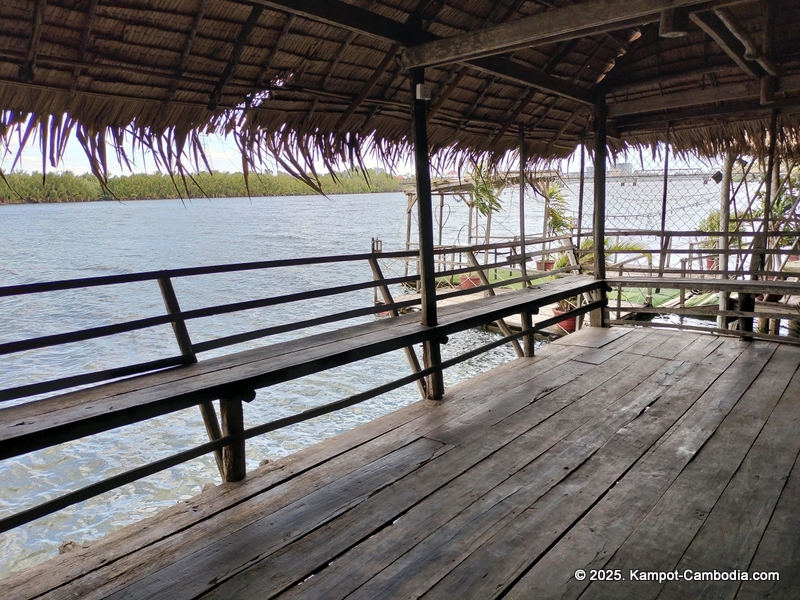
[223, 155]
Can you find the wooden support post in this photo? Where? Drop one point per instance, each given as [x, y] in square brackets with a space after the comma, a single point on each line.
[473, 261]
[522, 160]
[431, 351]
[185, 344]
[580, 199]
[411, 354]
[233, 455]
[724, 226]
[596, 317]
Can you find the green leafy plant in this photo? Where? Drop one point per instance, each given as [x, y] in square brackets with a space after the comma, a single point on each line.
[484, 193]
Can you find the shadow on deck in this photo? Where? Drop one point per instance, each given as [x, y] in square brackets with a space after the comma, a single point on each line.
[614, 450]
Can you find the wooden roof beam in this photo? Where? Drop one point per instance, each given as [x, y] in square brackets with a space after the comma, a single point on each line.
[244, 35]
[352, 18]
[28, 68]
[686, 99]
[578, 20]
[715, 29]
[751, 49]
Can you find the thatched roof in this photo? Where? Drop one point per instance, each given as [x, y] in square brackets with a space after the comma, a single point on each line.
[320, 78]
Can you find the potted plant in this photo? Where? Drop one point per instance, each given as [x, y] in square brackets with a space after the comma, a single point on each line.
[563, 306]
[558, 221]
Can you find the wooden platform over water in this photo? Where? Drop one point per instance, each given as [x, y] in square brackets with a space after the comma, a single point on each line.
[618, 449]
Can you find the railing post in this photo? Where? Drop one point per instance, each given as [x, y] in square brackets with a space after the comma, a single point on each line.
[207, 410]
[411, 354]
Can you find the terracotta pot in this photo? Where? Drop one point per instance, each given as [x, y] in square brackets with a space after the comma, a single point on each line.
[469, 281]
[711, 263]
[567, 325]
[546, 265]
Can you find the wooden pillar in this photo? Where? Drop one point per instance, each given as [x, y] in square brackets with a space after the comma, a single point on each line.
[724, 226]
[522, 161]
[596, 317]
[431, 351]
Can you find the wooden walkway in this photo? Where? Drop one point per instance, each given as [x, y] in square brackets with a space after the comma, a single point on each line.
[613, 449]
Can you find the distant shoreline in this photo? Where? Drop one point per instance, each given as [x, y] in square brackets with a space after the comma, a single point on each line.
[28, 188]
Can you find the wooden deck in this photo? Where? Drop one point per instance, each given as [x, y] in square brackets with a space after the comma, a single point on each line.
[618, 449]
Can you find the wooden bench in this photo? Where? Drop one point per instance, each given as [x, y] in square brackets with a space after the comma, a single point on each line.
[69, 416]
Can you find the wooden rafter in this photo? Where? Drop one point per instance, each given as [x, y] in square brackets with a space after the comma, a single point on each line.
[717, 31]
[548, 68]
[685, 99]
[461, 71]
[265, 68]
[388, 59]
[338, 58]
[28, 68]
[236, 55]
[91, 16]
[574, 21]
[353, 18]
[187, 49]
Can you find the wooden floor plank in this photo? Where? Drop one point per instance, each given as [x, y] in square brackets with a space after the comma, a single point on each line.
[661, 539]
[436, 554]
[651, 450]
[593, 337]
[192, 573]
[593, 540]
[491, 569]
[779, 549]
[728, 538]
[373, 439]
[517, 453]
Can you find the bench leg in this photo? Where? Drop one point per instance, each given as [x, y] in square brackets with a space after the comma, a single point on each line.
[214, 432]
[527, 325]
[233, 456]
[432, 356]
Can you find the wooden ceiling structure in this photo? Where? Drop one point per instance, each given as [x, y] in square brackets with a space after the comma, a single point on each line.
[327, 80]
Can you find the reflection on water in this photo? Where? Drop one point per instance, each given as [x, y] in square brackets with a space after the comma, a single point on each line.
[47, 242]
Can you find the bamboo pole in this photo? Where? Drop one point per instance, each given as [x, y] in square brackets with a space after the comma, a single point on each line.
[724, 227]
[522, 161]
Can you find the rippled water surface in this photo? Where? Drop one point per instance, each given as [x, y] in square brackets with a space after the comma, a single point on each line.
[62, 241]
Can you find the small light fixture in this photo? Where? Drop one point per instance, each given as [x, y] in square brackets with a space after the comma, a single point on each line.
[717, 177]
[672, 23]
[424, 91]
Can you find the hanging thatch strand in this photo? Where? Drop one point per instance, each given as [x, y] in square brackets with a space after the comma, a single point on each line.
[292, 86]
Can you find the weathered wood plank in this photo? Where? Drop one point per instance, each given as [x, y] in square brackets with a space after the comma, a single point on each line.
[372, 440]
[493, 566]
[514, 442]
[593, 540]
[728, 538]
[390, 558]
[592, 337]
[197, 569]
[779, 549]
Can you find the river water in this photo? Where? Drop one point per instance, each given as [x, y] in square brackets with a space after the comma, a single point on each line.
[65, 241]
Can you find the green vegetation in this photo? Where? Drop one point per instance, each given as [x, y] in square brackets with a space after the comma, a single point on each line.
[68, 187]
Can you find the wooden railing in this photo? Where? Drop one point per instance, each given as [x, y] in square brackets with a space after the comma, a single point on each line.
[145, 390]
